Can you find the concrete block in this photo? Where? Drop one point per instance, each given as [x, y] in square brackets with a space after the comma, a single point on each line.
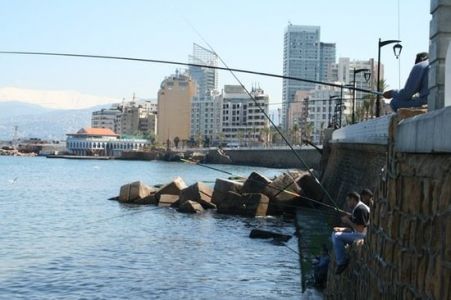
[172, 188]
[199, 192]
[437, 73]
[191, 207]
[222, 187]
[250, 205]
[438, 47]
[134, 191]
[436, 98]
[435, 4]
[167, 200]
[447, 97]
[255, 183]
[440, 21]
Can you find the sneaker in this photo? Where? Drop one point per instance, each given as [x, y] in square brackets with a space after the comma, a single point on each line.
[342, 267]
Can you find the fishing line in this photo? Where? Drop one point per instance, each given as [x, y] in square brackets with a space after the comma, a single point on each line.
[170, 62]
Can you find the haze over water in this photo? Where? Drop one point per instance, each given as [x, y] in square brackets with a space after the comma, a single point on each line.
[61, 238]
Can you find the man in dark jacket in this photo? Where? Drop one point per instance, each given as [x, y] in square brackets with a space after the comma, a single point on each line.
[417, 83]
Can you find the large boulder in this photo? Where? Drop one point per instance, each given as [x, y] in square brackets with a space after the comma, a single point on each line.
[134, 191]
[255, 183]
[167, 200]
[190, 207]
[222, 187]
[199, 192]
[172, 188]
[250, 205]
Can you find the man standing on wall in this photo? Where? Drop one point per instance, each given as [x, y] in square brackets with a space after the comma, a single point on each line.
[357, 222]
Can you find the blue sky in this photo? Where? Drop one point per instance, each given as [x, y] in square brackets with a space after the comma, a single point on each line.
[246, 34]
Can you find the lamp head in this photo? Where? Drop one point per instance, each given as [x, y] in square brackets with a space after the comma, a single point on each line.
[397, 48]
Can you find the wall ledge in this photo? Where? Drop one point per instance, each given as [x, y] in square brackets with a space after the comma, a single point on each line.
[426, 133]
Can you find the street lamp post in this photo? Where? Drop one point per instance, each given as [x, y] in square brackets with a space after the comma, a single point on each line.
[397, 51]
[367, 78]
[330, 108]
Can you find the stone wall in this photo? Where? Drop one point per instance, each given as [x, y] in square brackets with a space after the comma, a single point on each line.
[352, 167]
[407, 252]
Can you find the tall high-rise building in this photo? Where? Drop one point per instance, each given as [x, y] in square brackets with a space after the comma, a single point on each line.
[304, 56]
[205, 113]
[174, 107]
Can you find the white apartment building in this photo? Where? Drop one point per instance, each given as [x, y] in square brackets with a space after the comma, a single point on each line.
[242, 120]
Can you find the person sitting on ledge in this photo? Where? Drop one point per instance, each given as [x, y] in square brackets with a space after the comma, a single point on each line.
[417, 83]
[357, 223]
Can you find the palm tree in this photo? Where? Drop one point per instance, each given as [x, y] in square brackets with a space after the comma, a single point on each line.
[176, 142]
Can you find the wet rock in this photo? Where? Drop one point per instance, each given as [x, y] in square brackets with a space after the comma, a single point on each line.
[264, 234]
[172, 188]
[167, 200]
[134, 191]
[198, 192]
[250, 205]
[255, 183]
[190, 207]
[222, 187]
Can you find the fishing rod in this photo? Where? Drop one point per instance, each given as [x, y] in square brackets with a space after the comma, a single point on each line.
[170, 62]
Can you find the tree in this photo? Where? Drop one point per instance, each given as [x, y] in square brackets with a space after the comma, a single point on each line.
[176, 142]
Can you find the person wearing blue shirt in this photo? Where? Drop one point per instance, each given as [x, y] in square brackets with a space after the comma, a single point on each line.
[416, 90]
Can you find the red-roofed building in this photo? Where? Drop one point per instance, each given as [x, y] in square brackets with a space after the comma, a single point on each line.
[101, 142]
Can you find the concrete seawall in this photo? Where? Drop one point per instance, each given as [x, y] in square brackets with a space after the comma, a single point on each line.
[271, 158]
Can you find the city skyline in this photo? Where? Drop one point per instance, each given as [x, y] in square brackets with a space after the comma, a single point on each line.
[153, 30]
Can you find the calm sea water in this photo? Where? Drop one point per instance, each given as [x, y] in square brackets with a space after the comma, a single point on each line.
[60, 238]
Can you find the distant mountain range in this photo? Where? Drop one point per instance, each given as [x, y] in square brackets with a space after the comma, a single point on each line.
[40, 122]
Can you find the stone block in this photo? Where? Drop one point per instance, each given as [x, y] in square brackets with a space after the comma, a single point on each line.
[190, 207]
[447, 240]
[421, 272]
[172, 188]
[167, 200]
[411, 195]
[199, 192]
[438, 47]
[251, 205]
[437, 73]
[435, 4]
[282, 188]
[134, 191]
[255, 183]
[151, 199]
[428, 187]
[222, 187]
[310, 187]
[440, 21]
[445, 195]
